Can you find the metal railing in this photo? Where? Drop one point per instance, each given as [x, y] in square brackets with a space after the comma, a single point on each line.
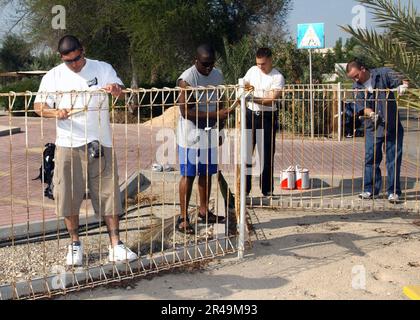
[335, 158]
[34, 239]
[146, 139]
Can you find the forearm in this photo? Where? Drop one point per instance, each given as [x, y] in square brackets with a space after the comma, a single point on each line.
[263, 101]
[193, 115]
[43, 110]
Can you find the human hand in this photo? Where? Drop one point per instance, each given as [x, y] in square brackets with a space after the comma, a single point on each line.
[224, 113]
[248, 87]
[375, 118]
[373, 115]
[114, 89]
[62, 114]
[402, 89]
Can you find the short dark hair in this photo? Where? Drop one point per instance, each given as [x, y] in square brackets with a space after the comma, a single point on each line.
[68, 44]
[356, 63]
[264, 53]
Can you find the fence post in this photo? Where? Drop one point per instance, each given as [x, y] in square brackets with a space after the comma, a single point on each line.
[339, 111]
[311, 94]
[241, 243]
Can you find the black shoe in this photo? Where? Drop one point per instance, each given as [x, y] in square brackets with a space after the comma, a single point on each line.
[268, 194]
[186, 228]
[211, 218]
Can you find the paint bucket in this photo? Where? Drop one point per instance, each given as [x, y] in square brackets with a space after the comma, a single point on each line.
[288, 179]
[302, 178]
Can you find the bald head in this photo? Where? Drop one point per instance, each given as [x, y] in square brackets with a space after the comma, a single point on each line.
[205, 59]
[69, 44]
[205, 51]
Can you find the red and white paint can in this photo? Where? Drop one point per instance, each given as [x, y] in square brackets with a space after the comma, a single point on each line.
[288, 179]
[302, 178]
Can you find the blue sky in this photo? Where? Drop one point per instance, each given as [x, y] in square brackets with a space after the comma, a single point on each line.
[331, 12]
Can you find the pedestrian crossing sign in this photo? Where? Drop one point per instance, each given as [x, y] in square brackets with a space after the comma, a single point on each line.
[311, 36]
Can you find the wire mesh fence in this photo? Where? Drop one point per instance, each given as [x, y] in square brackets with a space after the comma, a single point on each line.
[356, 160]
[157, 141]
[145, 166]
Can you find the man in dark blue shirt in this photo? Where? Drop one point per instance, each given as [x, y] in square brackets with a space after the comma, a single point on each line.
[378, 104]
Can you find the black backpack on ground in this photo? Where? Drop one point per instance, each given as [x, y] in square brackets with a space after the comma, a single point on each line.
[48, 172]
[353, 126]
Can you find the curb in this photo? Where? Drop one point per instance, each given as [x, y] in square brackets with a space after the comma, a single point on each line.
[57, 283]
[130, 187]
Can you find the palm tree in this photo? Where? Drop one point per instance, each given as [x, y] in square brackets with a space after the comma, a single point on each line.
[399, 45]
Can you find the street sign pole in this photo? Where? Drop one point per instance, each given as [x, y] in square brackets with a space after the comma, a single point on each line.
[311, 36]
[311, 98]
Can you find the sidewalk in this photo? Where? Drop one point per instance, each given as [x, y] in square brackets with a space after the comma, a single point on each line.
[136, 148]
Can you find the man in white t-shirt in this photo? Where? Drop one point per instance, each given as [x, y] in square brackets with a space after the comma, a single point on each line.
[197, 144]
[84, 144]
[267, 84]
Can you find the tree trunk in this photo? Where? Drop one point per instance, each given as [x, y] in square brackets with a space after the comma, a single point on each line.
[134, 75]
[134, 83]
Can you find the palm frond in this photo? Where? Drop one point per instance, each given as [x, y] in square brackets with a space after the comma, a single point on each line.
[399, 46]
[402, 21]
[390, 52]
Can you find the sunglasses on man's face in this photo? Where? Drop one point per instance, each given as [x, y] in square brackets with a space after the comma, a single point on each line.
[73, 60]
[206, 64]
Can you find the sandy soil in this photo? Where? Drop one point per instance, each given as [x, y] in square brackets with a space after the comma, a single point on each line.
[297, 255]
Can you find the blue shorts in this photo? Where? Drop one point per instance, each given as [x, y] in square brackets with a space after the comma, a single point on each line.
[194, 162]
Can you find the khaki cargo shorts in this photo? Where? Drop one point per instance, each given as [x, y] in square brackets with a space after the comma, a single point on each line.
[69, 189]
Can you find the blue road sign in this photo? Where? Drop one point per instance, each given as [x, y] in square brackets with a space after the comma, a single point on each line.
[311, 36]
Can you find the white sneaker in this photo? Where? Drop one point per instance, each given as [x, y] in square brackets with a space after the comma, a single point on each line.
[121, 253]
[74, 255]
[393, 197]
[365, 195]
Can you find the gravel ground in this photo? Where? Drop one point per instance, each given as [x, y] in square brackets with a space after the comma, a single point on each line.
[141, 230]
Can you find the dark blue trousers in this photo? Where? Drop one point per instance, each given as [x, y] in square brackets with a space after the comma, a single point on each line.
[393, 144]
[268, 123]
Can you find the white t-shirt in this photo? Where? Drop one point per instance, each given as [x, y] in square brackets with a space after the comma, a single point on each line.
[263, 85]
[188, 133]
[83, 127]
[368, 85]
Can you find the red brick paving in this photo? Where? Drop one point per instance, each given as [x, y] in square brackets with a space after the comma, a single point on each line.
[323, 157]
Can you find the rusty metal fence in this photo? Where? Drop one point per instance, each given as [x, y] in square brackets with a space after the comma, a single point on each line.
[34, 238]
[323, 172]
[332, 165]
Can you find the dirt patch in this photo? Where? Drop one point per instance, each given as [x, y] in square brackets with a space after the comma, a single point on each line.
[169, 119]
[302, 255]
